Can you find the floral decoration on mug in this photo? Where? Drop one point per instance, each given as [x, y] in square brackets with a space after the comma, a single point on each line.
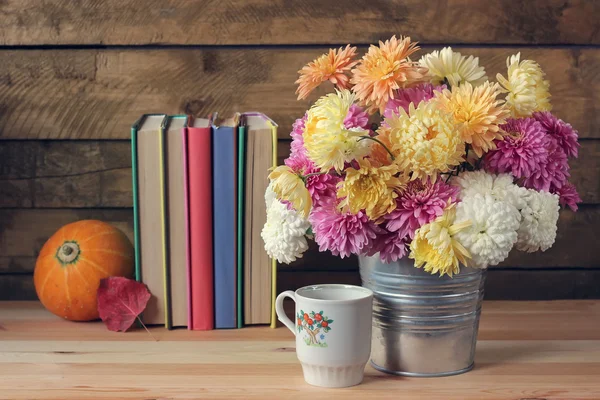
[315, 325]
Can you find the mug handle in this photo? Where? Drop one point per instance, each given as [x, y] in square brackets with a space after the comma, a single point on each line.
[281, 313]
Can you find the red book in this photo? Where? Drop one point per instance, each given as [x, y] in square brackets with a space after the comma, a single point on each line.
[200, 224]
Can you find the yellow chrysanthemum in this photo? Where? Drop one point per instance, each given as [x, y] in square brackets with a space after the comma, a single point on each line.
[371, 188]
[290, 187]
[329, 144]
[332, 66]
[435, 247]
[527, 89]
[384, 69]
[424, 141]
[447, 66]
[477, 113]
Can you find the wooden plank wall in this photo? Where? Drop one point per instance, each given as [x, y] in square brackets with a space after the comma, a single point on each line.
[75, 75]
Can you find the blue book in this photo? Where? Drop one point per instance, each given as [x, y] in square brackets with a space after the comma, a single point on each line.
[224, 149]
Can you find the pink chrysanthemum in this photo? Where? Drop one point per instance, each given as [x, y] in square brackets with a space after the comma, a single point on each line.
[568, 196]
[522, 150]
[403, 97]
[340, 232]
[356, 118]
[420, 203]
[564, 133]
[298, 161]
[322, 187]
[552, 172]
[390, 246]
[298, 158]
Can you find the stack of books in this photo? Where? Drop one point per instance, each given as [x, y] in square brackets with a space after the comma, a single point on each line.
[198, 193]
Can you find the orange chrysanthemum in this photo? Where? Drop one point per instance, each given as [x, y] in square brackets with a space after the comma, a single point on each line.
[477, 113]
[332, 67]
[384, 69]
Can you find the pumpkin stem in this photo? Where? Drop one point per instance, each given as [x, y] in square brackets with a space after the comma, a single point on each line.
[68, 252]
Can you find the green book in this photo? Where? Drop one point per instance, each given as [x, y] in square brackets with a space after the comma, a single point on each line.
[240, 221]
[134, 176]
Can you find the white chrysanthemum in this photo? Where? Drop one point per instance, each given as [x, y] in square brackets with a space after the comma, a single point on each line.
[270, 195]
[453, 67]
[284, 232]
[526, 87]
[493, 230]
[500, 187]
[538, 222]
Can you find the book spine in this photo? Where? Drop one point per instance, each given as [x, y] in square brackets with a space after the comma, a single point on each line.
[224, 226]
[201, 239]
[240, 224]
[186, 206]
[164, 224]
[274, 261]
[136, 217]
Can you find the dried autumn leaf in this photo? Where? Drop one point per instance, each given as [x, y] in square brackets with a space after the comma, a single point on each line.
[121, 301]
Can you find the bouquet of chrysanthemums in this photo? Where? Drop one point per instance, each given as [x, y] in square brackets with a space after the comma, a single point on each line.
[455, 170]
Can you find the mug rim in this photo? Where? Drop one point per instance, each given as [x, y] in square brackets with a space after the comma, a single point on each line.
[367, 293]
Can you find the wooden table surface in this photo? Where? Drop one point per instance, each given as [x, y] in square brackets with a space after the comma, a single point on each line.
[526, 350]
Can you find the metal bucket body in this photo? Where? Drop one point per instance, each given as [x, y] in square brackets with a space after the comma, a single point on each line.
[423, 324]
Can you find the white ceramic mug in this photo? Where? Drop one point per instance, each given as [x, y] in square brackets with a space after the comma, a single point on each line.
[333, 332]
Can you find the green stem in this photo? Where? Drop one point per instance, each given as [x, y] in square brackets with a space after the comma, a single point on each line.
[378, 141]
[313, 174]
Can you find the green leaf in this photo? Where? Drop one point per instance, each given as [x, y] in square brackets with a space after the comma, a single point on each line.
[321, 312]
[329, 321]
[318, 325]
[312, 314]
[302, 312]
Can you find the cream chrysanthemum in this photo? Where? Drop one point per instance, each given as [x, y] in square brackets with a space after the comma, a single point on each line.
[371, 188]
[424, 141]
[451, 67]
[284, 232]
[493, 230]
[435, 247]
[500, 187]
[290, 187]
[477, 113]
[527, 89]
[539, 217]
[329, 144]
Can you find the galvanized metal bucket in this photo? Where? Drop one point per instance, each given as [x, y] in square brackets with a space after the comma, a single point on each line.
[423, 324]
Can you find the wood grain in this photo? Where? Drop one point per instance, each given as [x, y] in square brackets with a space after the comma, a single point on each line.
[97, 174]
[65, 174]
[98, 94]
[23, 233]
[17, 287]
[522, 353]
[501, 284]
[500, 320]
[236, 22]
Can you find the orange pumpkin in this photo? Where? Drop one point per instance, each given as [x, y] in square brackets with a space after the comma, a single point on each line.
[72, 263]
